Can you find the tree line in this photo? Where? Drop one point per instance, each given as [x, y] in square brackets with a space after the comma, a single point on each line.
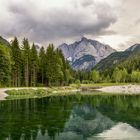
[118, 75]
[23, 65]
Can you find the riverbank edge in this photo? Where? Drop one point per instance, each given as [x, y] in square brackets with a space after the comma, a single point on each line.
[121, 89]
[4, 94]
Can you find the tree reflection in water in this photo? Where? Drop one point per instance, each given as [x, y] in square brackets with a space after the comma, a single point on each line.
[70, 118]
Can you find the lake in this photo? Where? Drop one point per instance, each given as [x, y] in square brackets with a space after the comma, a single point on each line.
[75, 117]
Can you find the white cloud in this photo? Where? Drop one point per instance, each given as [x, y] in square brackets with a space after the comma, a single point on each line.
[118, 42]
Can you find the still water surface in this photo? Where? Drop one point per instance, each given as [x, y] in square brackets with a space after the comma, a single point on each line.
[71, 118]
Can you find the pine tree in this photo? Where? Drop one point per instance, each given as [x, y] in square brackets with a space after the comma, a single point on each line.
[33, 66]
[60, 70]
[124, 75]
[54, 65]
[26, 58]
[42, 64]
[95, 76]
[49, 64]
[17, 63]
[117, 75]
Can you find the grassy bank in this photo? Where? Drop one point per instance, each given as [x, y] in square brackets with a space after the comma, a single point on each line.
[40, 92]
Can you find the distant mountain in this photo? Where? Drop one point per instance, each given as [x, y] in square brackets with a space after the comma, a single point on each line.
[4, 42]
[7, 44]
[86, 53]
[37, 47]
[119, 58]
[134, 48]
[112, 60]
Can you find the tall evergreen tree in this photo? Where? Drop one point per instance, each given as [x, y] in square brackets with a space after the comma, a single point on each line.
[66, 69]
[124, 75]
[54, 65]
[117, 75]
[95, 76]
[33, 66]
[42, 65]
[17, 63]
[26, 58]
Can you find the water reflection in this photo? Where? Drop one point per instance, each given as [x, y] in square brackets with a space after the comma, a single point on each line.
[120, 131]
[71, 118]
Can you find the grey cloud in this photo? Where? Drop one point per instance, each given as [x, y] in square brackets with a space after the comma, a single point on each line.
[42, 26]
[86, 3]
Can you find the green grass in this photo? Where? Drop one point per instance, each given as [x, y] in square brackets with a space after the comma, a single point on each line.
[39, 93]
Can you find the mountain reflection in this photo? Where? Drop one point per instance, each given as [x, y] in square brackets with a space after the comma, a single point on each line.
[71, 118]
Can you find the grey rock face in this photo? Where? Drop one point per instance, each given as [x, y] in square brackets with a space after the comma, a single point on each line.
[86, 53]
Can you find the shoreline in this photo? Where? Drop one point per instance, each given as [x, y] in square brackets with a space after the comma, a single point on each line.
[3, 93]
[54, 91]
[115, 89]
[121, 89]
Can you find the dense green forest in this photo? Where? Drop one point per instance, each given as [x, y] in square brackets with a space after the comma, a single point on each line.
[23, 65]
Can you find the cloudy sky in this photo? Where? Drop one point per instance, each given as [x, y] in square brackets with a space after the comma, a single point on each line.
[113, 22]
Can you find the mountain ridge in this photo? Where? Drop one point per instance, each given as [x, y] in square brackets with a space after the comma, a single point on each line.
[4, 41]
[89, 52]
[117, 58]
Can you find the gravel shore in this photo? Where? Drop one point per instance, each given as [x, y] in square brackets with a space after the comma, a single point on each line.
[3, 95]
[124, 89]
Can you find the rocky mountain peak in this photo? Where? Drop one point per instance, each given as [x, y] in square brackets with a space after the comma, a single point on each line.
[86, 53]
[84, 39]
